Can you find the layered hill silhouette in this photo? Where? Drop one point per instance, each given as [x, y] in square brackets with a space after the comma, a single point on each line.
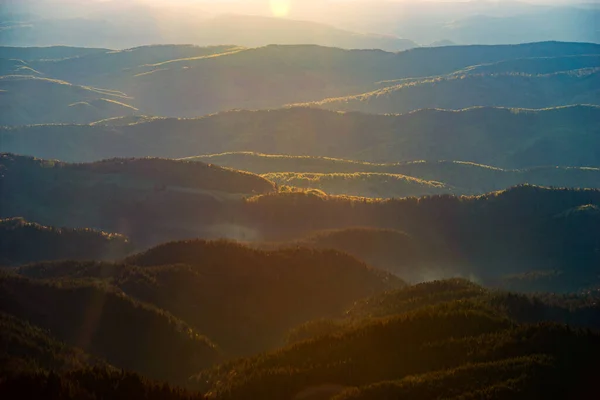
[26, 99]
[25, 242]
[47, 52]
[563, 136]
[368, 179]
[112, 68]
[463, 91]
[524, 237]
[108, 324]
[271, 76]
[245, 30]
[190, 81]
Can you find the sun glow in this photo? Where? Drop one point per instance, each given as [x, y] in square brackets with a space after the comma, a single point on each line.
[280, 8]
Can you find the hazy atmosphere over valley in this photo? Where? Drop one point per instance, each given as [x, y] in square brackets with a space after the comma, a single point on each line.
[299, 200]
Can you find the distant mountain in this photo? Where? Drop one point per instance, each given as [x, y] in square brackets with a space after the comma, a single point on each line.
[244, 30]
[253, 31]
[463, 91]
[456, 176]
[25, 242]
[47, 53]
[557, 23]
[112, 68]
[33, 100]
[492, 136]
[271, 76]
[535, 66]
[189, 81]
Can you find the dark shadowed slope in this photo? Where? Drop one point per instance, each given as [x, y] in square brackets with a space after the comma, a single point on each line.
[109, 324]
[26, 99]
[507, 138]
[107, 194]
[455, 349]
[23, 242]
[463, 91]
[241, 298]
[26, 347]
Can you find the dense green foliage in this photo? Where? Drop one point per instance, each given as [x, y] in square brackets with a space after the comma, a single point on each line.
[564, 136]
[23, 242]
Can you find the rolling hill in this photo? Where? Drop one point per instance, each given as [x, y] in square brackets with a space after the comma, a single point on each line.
[25, 242]
[565, 136]
[457, 347]
[243, 299]
[106, 194]
[464, 91]
[112, 68]
[271, 76]
[458, 177]
[108, 324]
[535, 66]
[365, 184]
[26, 99]
[190, 81]
[541, 238]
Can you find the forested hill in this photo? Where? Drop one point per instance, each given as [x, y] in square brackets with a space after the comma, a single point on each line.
[23, 242]
[490, 136]
[519, 231]
[417, 178]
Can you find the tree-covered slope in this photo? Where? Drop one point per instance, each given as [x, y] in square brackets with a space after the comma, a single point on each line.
[452, 349]
[109, 324]
[22, 242]
[106, 194]
[241, 298]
